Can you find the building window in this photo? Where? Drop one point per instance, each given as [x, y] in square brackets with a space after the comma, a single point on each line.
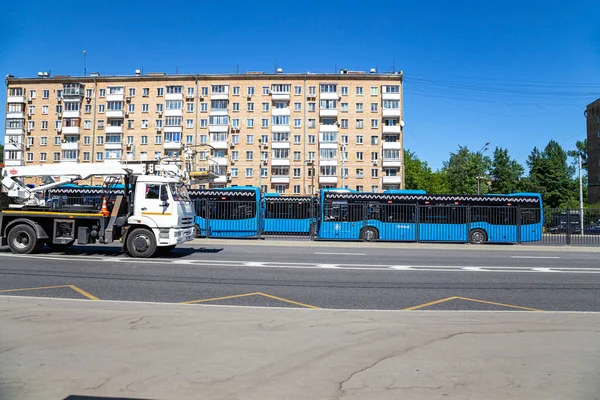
[311, 155]
[373, 107]
[144, 124]
[29, 157]
[102, 93]
[129, 140]
[359, 173]
[250, 106]
[100, 124]
[234, 172]
[359, 107]
[374, 140]
[344, 124]
[43, 157]
[130, 124]
[297, 90]
[87, 140]
[297, 156]
[203, 123]
[297, 122]
[312, 139]
[45, 94]
[100, 140]
[297, 139]
[157, 139]
[359, 90]
[374, 123]
[236, 90]
[145, 108]
[374, 91]
[312, 91]
[159, 108]
[265, 122]
[44, 110]
[249, 155]
[312, 123]
[250, 90]
[160, 91]
[374, 173]
[265, 107]
[312, 106]
[56, 156]
[100, 108]
[44, 125]
[344, 90]
[248, 172]
[374, 156]
[250, 123]
[157, 155]
[280, 189]
[297, 172]
[158, 123]
[328, 88]
[144, 139]
[344, 107]
[235, 139]
[203, 139]
[235, 107]
[359, 139]
[359, 156]
[203, 107]
[264, 172]
[296, 189]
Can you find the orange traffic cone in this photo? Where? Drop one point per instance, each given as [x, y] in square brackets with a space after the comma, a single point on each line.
[104, 210]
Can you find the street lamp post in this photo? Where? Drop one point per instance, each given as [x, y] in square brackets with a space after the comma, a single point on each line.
[480, 153]
[260, 167]
[343, 148]
[311, 164]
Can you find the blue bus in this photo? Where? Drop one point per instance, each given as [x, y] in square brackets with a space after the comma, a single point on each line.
[413, 215]
[227, 212]
[289, 215]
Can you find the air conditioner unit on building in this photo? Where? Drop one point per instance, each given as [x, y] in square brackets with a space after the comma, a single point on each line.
[30, 99]
[128, 99]
[376, 162]
[158, 130]
[249, 96]
[160, 113]
[64, 141]
[59, 115]
[88, 99]
[28, 130]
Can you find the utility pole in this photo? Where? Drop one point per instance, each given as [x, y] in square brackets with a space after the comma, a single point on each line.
[343, 164]
[84, 63]
[580, 196]
[480, 153]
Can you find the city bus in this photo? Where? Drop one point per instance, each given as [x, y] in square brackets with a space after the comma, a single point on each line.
[289, 215]
[413, 215]
[227, 212]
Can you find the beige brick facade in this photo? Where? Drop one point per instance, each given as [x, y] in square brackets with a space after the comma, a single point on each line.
[278, 122]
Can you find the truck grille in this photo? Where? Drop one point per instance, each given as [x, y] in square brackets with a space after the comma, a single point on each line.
[186, 221]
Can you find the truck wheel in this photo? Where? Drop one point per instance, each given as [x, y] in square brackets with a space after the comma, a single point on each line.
[477, 236]
[22, 239]
[59, 246]
[197, 230]
[141, 243]
[162, 250]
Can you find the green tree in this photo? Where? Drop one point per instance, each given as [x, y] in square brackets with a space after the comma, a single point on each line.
[505, 172]
[463, 169]
[580, 150]
[551, 175]
[419, 176]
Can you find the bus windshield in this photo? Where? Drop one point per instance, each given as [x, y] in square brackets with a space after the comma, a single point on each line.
[179, 192]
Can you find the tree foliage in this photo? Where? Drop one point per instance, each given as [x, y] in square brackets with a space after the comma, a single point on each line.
[419, 175]
[464, 169]
[505, 173]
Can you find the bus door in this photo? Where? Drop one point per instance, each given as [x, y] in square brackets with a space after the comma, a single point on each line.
[341, 220]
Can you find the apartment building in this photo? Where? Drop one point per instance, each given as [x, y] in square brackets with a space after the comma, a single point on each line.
[287, 133]
[592, 115]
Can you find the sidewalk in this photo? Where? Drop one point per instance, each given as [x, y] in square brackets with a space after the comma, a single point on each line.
[55, 348]
[305, 242]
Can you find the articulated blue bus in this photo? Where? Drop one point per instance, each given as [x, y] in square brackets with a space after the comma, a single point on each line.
[291, 215]
[227, 212]
[413, 215]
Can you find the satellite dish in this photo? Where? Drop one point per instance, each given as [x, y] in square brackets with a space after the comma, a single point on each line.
[402, 123]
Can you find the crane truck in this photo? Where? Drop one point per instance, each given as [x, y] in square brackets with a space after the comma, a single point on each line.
[151, 216]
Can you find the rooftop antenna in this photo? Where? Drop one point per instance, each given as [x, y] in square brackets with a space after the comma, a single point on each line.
[274, 65]
[84, 63]
[334, 68]
[394, 66]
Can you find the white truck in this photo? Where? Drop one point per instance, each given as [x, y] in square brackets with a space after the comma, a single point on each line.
[152, 216]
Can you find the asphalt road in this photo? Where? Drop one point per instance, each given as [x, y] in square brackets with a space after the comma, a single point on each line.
[341, 276]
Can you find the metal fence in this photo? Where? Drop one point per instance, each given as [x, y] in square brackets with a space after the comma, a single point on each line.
[571, 226]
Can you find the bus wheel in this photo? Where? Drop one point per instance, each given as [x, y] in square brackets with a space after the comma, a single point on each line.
[22, 239]
[141, 243]
[369, 234]
[477, 236]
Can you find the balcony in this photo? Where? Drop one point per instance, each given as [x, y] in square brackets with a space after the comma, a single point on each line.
[72, 114]
[328, 145]
[329, 96]
[327, 162]
[280, 96]
[328, 128]
[390, 96]
[114, 113]
[280, 128]
[15, 114]
[280, 179]
[13, 163]
[219, 160]
[173, 128]
[280, 145]
[219, 95]
[113, 145]
[328, 112]
[172, 145]
[391, 112]
[112, 129]
[173, 113]
[391, 145]
[218, 111]
[391, 129]
[220, 179]
[218, 128]
[174, 96]
[328, 179]
[391, 162]
[391, 180]
[16, 99]
[69, 146]
[15, 131]
[280, 111]
[280, 162]
[218, 144]
[13, 146]
[70, 130]
[114, 97]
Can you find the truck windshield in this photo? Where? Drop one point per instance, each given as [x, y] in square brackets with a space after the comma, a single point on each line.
[179, 192]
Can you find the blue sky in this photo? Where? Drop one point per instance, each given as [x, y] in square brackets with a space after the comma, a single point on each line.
[514, 73]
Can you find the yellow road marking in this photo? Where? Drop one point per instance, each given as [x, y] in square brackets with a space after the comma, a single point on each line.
[219, 298]
[33, 288]
[73, 287]
[270, 296]
[286, 300]
[83, 292]
[498, 304]
[431, 303]
[51, 213]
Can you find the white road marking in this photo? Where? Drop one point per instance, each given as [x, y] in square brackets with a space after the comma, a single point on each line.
[131, 262]
[340, 254]
[542, 257]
